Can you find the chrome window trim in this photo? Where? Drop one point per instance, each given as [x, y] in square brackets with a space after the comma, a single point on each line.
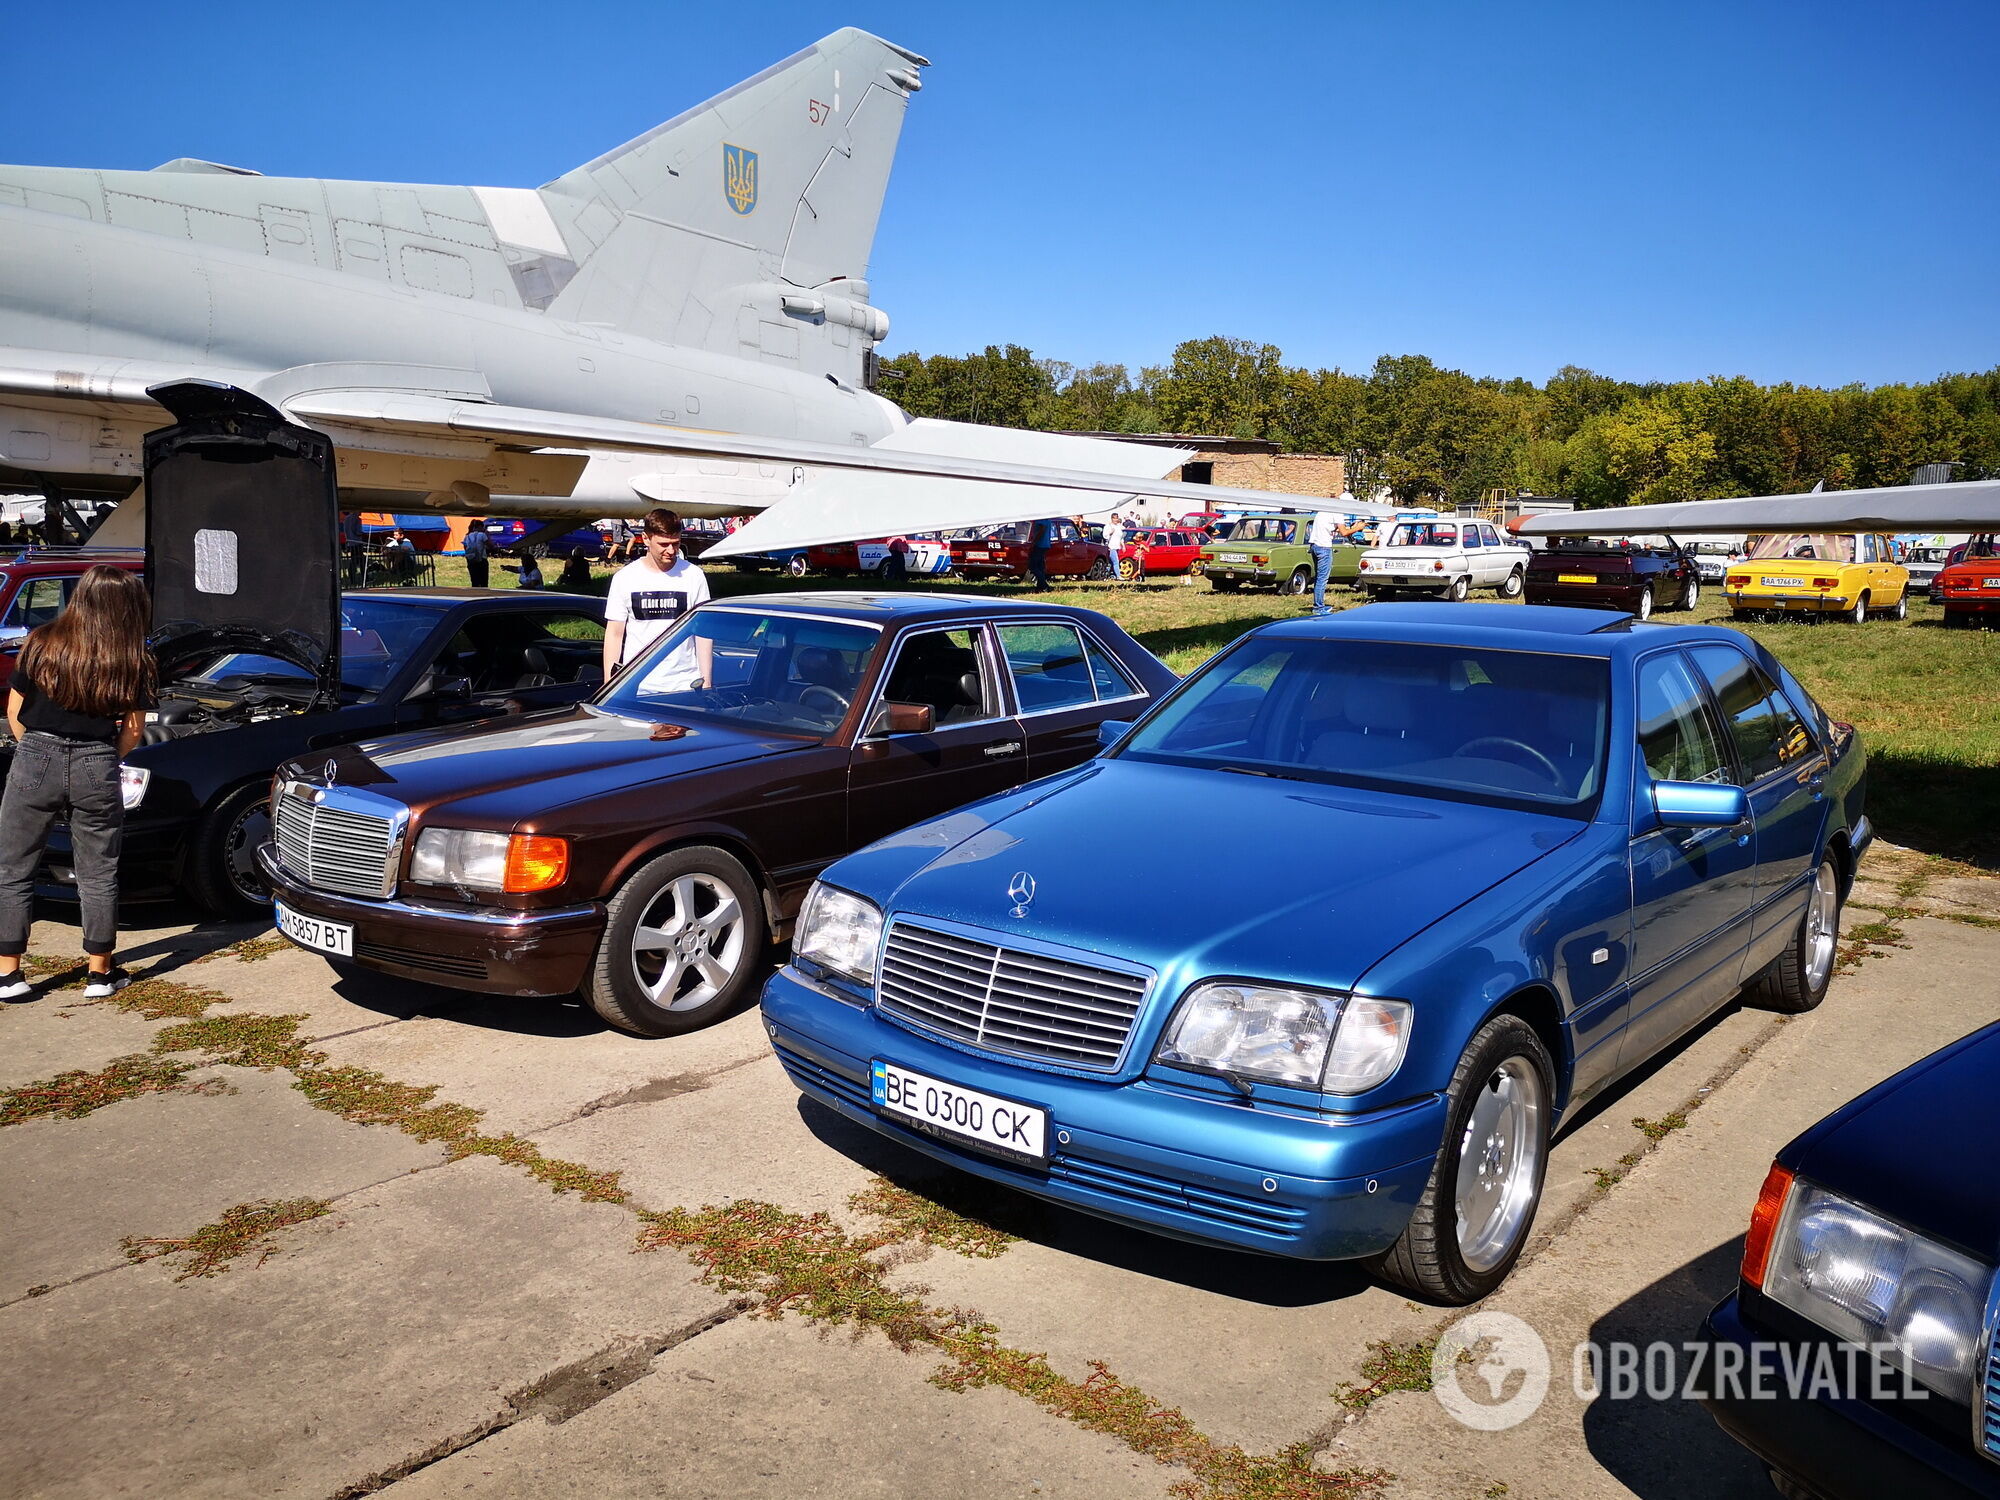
[1138, 694]
[733, 608]
[989, 651]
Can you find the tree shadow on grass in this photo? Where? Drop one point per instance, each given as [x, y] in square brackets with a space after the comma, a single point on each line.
[1936, 806]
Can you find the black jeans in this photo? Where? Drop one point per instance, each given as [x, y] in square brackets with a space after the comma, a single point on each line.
[52, 775]
[1038, 566]
[475, 570]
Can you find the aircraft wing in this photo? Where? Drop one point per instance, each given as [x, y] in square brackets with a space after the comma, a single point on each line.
[1971, 506]
[927, 476]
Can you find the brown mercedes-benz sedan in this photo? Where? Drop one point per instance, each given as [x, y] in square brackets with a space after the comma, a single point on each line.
[645, 846]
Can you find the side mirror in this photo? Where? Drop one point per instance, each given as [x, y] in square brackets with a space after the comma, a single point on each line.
[904, 718]
[1700, 804]
[458, 689]
[1111, 731]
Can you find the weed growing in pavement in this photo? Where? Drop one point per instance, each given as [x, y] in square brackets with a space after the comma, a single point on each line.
[1870, 938]
[250, 950]
[1970, 919]
[912, 1217]
[1389, 1366]
[246, 1229]
[74, 1094]
[1660, 1129]
[809, 1265]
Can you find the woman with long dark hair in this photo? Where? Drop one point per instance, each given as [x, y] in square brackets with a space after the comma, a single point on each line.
[77, 705]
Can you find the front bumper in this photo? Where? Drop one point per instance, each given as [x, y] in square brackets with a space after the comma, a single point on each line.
[1837, 1447]
[1138, 1152]
[493, 950]
[151, 855]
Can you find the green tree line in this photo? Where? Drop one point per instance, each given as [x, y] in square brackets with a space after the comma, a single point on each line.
[1438, 435]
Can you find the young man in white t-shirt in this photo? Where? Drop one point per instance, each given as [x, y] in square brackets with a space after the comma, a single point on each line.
[648, 597]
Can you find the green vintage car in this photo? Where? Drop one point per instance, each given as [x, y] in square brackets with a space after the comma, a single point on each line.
[1271, 551]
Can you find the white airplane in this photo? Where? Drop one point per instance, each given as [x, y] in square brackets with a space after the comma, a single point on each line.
[685, 320]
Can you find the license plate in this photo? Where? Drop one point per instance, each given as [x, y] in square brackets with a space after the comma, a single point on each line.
[980, 556]
[1014, 1130]
[1784, 583]
[1236, 557]
[1576, 578]
[315, 932]
[1989, 583]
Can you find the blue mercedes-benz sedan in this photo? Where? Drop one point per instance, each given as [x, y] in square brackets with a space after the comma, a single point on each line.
[1862, 1344]
[1456, 871]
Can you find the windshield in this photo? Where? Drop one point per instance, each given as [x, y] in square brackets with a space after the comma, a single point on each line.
[774, 671]
[1818, 547]
[377, 636]
[1515, 728]
[1424, 534]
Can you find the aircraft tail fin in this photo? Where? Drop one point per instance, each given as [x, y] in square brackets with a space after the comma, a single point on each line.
[775, 183]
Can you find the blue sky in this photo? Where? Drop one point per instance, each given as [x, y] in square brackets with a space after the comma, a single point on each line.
[1658, 189]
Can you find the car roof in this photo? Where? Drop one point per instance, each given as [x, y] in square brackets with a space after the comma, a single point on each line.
[445, 598]
[38, 561]
[1518, 627]
[873, 608]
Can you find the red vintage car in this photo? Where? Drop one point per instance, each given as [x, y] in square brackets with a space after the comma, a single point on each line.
[1970, 587]
[1162, 551]
[1002, 552]
[35, 585]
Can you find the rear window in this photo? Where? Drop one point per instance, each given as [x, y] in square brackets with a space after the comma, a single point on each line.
[1424, 534]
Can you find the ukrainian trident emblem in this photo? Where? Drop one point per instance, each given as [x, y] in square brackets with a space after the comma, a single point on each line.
[739, 178]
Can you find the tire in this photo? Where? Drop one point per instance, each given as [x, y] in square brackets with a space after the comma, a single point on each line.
[1128, 569]
[1099, 570]
[222, 866]
[1797, 979]
[1643, 610]
[1225, 585]
[1458, 589]
[1511, 587]
[1901, 609]
[1198, 567]
[1301, 581]
[1691, 594]
[1859, 614]
[797, 567]
[1504, 1086]
[662, 989]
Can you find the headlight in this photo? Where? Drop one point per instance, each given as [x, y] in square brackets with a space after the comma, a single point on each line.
[1306, 1038]
[481, 861]
[838, 931]
[1871, 1281]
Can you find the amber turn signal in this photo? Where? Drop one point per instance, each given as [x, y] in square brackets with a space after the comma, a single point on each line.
[1764, 1223]
[535, 862]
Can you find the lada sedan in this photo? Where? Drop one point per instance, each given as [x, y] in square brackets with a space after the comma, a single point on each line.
[1634, 575]
[1506, 855]
[1969, 588]
[1446, 559]
[646, 846]
[1820, 573]
[1872, 1258]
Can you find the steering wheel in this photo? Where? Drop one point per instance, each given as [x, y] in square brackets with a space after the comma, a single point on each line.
[818, 690]
[1536, 761]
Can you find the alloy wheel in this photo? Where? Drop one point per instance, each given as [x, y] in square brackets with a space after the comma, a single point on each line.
[1822, 928]
[689, 942]
[250, 830]
[1499, 1164]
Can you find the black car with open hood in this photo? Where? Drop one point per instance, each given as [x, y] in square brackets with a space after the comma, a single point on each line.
[262, 658]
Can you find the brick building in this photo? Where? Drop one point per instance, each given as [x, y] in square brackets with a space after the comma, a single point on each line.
[1245, 463]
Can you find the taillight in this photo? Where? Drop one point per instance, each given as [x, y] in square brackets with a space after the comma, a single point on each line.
[1826, 583]
[1438, 566]
[1364, 564]
[1764, 1223]
[1260, 559]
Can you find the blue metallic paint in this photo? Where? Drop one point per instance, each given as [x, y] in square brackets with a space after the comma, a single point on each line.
[1462, 909]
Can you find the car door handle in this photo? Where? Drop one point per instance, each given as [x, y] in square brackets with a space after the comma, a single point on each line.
[1012, 747]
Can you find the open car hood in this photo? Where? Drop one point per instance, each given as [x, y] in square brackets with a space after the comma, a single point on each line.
[242, 534]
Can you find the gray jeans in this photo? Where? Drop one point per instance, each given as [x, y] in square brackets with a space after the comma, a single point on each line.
[52, 775]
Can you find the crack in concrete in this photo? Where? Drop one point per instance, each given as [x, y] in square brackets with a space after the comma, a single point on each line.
[650, 1092]
[562, 1393]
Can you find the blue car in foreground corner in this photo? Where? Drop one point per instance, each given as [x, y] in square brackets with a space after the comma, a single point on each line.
[1864, 1244]
[1494, 857]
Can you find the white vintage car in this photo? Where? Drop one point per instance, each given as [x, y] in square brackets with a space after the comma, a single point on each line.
[1449, 558]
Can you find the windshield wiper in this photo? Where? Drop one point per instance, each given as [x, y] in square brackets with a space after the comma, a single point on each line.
[1260, 771]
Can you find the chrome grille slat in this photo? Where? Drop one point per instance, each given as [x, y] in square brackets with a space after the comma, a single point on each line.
[1008, 1000]
[336, 848]
[1989, 1392]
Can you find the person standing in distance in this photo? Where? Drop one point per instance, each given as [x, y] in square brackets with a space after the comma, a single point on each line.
[1040, 534]
[478, 551]
[1114, 538]
[77, 705]
[650, 594]
[1319, 542]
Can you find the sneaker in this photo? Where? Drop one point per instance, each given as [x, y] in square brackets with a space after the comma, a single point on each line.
[102, 986]
[14, 986]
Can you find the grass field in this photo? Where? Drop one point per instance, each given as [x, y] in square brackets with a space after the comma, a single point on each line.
[1926, 699]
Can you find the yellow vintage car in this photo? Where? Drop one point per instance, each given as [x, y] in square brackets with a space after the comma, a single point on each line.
[1822, 573]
